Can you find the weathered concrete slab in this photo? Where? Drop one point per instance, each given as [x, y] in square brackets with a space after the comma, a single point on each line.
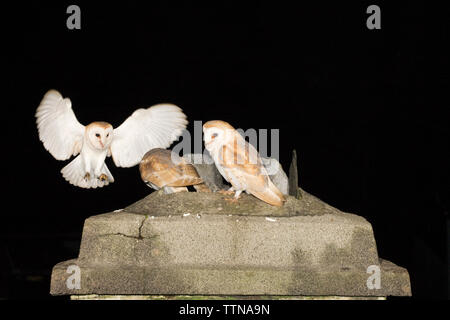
[344, 240]
[204, 244]
[160, 204]
[162, 280]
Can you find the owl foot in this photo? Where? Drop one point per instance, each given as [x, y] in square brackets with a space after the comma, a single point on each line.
[226, 192]
[231, 200]
[87, 176]
[103, 177]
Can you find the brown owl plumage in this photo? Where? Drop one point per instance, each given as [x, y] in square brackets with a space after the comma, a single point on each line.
[163, 169]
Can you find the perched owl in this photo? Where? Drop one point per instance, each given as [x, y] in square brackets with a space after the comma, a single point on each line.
[163, 169]
[63, 136]
[239, 163]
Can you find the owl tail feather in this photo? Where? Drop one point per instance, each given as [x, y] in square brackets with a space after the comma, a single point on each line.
[271, 195]
[75, 173]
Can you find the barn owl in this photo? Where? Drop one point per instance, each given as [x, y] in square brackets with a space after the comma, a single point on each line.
[63, 136]
[239, 163]
[163, 169]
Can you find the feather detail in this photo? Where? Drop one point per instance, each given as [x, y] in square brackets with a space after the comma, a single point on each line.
[239, 163]
[156, 127]
[162, 168]
[271, 195]
[74, 173]
[59, 129]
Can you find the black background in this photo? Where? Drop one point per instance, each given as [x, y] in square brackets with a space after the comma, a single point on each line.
[366, 111]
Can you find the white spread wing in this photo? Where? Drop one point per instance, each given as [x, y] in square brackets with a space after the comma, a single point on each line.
[145, 129]
[58, 127]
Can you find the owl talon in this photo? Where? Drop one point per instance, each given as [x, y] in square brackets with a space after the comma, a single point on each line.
[103, 177]
[87, 176]
[226, 192]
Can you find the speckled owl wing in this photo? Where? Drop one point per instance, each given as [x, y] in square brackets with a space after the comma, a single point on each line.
[242, 162]
[165, 169]
[244, 165]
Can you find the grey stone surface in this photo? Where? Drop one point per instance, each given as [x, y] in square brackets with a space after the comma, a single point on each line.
[189, 280]
[277, 174]
[159, 204]
[184, 244]
[207, 170]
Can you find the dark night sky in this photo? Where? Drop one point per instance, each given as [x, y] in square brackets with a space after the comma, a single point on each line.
[366, 111]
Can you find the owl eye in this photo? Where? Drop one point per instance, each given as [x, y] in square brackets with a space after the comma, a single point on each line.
[97, 135]
[214, 135]
[107, 135]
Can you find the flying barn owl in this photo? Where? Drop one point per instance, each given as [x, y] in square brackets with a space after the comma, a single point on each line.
[163, 169]
[239, 163]
[63, 136]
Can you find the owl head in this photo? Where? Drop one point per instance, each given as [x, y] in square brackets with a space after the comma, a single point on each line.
[217, 133]
[99, 135]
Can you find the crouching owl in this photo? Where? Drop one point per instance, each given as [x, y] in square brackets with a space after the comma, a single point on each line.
[163, 169]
